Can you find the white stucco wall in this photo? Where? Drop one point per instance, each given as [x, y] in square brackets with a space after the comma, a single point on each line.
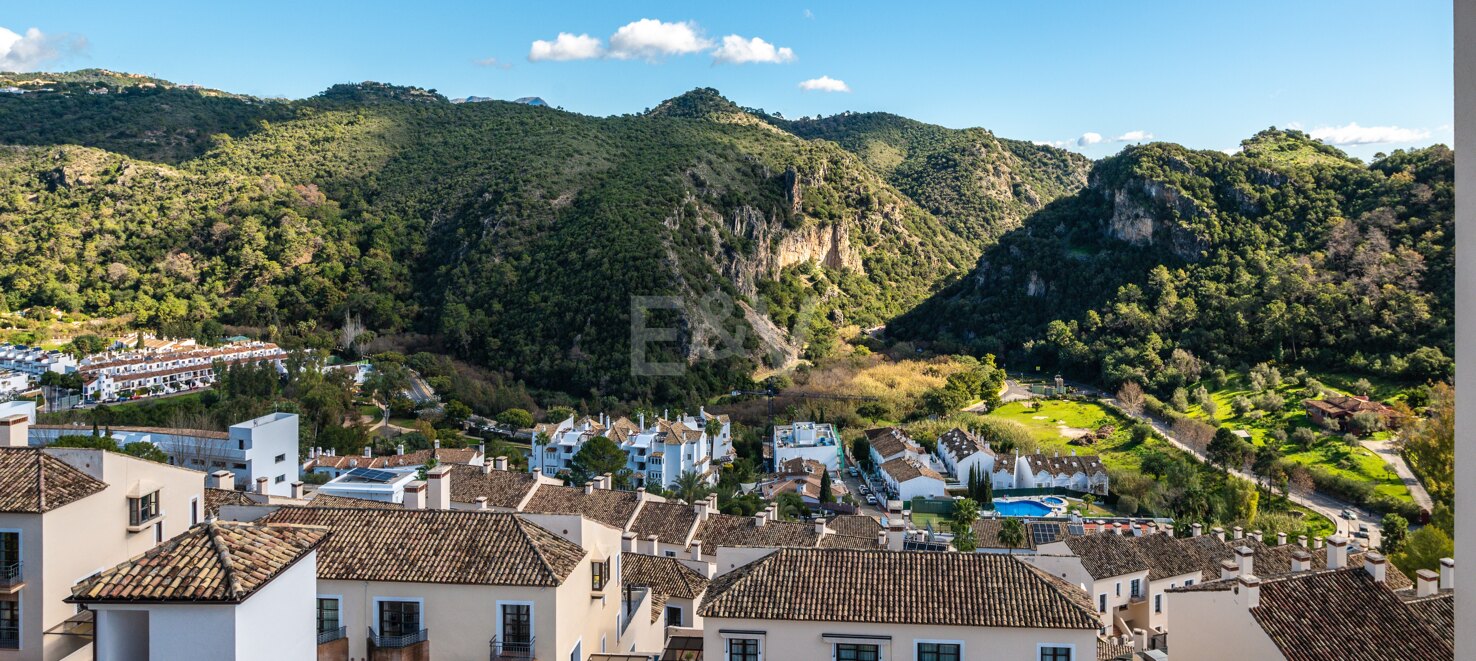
[1217, 626]
[279, 620]
[786, 640]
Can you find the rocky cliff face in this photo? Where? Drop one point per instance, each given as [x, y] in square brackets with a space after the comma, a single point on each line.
[1150, 212]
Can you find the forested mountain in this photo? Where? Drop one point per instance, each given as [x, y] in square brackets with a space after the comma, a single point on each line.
[511, 235]
[1172, 257]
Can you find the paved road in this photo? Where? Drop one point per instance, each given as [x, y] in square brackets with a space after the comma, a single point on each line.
[1390, 454]
[420, 392]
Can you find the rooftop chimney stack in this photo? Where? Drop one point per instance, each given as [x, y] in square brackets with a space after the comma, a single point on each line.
[1196, 530]
[653, 545]
[1239, 532]
[1245, 560]
[436, 444]
[1301, 560]
[1317, 542]
[223, 479]
[481, 502]
[487, 468]
[15, 431]
[1250, 591]
[896, 535]
[499, 463]
[1375, 565]
[297, 490]
[820, 528]
[697, 550]
[1228, 569]
[368, 451]
[261, 485]
[439, 493]
[1337, 552]
[628, 542]
[1302, 541]
[760, 518]
[1447, 573]
[400, 449]
[589, 487]
[1426, 583]
[1218, 532]
[1256, 535]
[1281, 539]
[415, 495]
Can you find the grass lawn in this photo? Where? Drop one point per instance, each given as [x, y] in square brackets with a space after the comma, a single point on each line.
[1045, 420]
[1329, 453]
[921, 520]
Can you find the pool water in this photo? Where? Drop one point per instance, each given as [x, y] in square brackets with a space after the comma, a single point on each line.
[1053, 501]
[1021, 508]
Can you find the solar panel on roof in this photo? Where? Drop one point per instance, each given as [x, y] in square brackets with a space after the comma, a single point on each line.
[1042, 534]
[1075, 529]
[372, 475]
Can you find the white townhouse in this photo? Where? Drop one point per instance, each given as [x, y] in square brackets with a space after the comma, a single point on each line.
[13, 382]
[657, 454]
[35, 361]
[886, 605]
[1078, 473]
[910, 478]
[807, 441]
[120, 375]
[963, 452]
[888, 443]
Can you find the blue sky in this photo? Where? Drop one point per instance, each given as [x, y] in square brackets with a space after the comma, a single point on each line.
[1370, 76]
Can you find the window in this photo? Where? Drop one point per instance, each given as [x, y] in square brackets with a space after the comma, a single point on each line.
[1137, 588]
[159, 533]
[1102, 603]
[194, 511]
[327, 614]
[281, 458]
[599, 574]
[743, 649]
[1119, 589]
[399, 618]
[673, 616]
[1158, 603]
[670, 554]
[143, 509]
[280, 479]
[857, 652]
[517, 624]
[238, 466]
[939, 652]
[10, 625]
[1188, 582]
[1055, 653]
[577, 654]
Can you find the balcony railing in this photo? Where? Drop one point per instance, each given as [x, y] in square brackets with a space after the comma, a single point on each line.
[10, 574]
[396, 642]
[511, 649]
[332, 635]
[9, 638]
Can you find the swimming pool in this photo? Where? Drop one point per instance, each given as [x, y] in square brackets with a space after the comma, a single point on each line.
[1054, 501]
[1021, 508]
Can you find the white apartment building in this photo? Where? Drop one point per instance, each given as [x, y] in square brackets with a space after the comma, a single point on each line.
[1079, 473]
[658, 454]
[909, 478]
[35, 361]
[963, 452]
[12, 382]
[264, 447]
[66, 514]
[888, 443]
[120, 375]
[885, 605]
[813, 441]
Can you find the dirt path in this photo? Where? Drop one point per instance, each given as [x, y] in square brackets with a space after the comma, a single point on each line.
[1390, 454]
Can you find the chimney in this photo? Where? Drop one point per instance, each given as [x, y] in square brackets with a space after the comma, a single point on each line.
[653, 545]
[1447, 573]
[1301, 560]
[1168, 529]
[1197, 530]
[261, 485]
[1245, 559]
[589, 487]
[1140, 639]
[297, 490]
[1302, 541]
[1228, 569]
[881, 539]
[642, 417]
[1256, 535]
[486, 468]
[499, 463]
[1426, 583]
[436, 444]
[400, 449]
[760, 518]
[481, 502]
[1375, 565]
[1239, 532]
[415, 495]
[15, 431]
[696, 550]
[1337, 552]
[1317, 542]
[628, 542]
[820, 528]
[368, 452]
[223, 479]
[1281, 539]
[607, 481]
[438, 496]
[700, 508]
[1218, 532]
[482, 449]
[1250, 589]
[896, 535]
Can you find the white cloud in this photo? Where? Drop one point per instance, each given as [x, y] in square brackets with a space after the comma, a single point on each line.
[737, 50]
[1088, 138]
[809, 14]
[492, 62]
[30, 51]
[650, 39]
[566, 47]
[825, 84]
[1133, 136]
[1353, 134]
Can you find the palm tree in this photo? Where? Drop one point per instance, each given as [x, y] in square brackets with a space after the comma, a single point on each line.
[1012, 534]
[690, 488]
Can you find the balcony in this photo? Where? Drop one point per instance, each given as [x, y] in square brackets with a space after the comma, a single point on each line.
[509, 649]
[398, 642]
[9, 637]
[11, 579]
[325, 637]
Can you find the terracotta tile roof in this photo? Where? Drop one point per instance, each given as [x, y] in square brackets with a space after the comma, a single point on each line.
[608, 506]
[329, 500]
[1344, 615]
[33, 481]
[416, 458]
[801, 466]
[858, 525]
[730, 530]
[807, 486]
[1104, 555]
[1269, 561]
[87, 431]
[1438, 611]
[215, 498]
[436, 546]
[666, 577]
[216, 561]
[1066, 466]
[889, 441]
[986, 532]
[669, 522]
[1169, 556]
[505, 489]
[857, 542]
[960, 443]
[1108, 650]
[903, 469]
[888, 587]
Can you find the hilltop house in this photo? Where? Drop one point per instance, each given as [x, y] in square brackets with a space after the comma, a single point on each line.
[1341, 412]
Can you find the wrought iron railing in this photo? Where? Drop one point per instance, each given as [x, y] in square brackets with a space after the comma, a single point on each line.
[395, 642]
[332, 634]
[10, 573]
[512, 649]
[9, 637]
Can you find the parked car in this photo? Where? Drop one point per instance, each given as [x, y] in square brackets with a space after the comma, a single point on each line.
[855, 472]
[1349, 515]
[870, 500]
